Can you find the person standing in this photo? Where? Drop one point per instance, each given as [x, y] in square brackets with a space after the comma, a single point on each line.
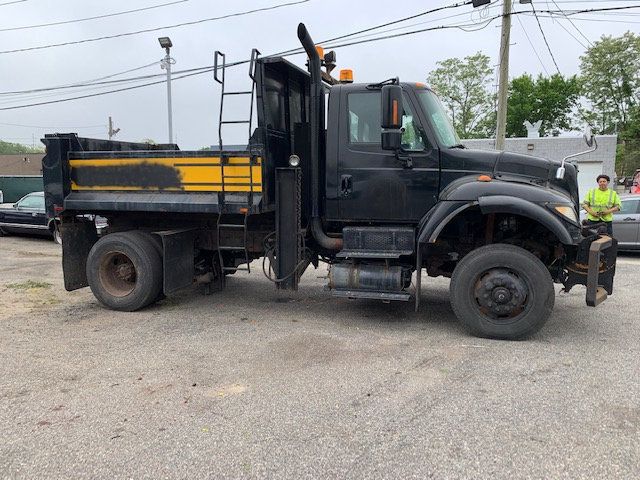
[600, 203]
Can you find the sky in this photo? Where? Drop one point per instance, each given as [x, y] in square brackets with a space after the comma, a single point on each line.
[142, 113]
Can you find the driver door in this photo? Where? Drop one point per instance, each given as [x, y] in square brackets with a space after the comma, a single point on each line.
[375, 184]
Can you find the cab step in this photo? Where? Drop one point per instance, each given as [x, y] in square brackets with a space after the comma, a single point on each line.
[377, 242]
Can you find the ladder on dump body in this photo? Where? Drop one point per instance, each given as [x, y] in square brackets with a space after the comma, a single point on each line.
[225, 224]
[219, 62]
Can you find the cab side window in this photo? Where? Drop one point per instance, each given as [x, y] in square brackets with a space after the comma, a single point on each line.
[365, 118]
[411, 135]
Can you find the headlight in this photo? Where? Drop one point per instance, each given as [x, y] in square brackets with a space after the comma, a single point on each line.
[566, 211]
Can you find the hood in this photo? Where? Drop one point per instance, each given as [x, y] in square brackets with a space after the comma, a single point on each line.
[537, 171]
[6, 206]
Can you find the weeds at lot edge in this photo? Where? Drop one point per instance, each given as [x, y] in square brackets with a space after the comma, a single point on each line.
[28, 285]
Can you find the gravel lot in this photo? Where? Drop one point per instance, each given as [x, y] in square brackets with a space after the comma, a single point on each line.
[249, 383]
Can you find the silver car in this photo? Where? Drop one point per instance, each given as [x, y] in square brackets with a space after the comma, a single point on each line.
[626, 223]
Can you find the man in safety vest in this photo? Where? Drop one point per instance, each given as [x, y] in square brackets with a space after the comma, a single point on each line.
[600, 203]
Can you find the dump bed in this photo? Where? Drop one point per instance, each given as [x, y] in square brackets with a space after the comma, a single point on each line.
[88, 175]
[83, 175]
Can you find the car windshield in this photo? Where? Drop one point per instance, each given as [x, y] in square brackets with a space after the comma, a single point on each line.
[436, 114]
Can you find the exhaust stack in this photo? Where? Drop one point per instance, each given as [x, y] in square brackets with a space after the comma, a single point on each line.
[317, 126]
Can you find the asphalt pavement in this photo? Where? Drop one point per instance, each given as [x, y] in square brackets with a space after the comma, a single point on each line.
[252, 383]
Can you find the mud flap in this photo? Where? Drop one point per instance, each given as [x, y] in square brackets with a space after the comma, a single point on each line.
[177, 259]
[77, 239]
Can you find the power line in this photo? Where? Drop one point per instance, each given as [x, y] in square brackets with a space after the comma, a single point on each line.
[25, 27]
[570, 34]
[600, 20]
[155, 29]
[41, 126]
[206, 69]
[544, 37]
[95, 81]
[211, 68]
[531, 43]
[11, 3]
[298, 49]
[574, 25]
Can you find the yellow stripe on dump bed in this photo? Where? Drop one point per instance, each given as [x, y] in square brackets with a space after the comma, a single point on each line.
[190, 174]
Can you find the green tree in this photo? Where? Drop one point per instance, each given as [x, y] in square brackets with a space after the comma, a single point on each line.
[611, 77]
[464, 88]
[628, 149]
[550, 99]
[8, 148]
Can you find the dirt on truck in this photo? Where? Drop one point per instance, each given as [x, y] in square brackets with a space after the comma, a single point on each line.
[369, 178]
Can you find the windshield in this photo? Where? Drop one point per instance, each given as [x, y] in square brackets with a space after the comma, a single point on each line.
[447, 136]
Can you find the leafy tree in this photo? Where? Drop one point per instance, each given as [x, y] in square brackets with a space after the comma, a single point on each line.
[8, 148]
[628, 149]
[464, 88]
[550, 99]
[611, 77]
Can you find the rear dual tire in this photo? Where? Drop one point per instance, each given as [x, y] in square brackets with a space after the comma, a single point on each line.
[124, 270]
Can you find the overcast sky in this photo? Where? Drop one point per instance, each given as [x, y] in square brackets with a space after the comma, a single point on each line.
[142, 113]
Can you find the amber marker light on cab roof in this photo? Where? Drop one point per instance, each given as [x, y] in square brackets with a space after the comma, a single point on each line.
[484, 178]
[346, 76]
[320, 51]
[420, 85]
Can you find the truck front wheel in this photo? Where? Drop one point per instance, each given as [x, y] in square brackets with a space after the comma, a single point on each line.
[124, 271]
[502, 291]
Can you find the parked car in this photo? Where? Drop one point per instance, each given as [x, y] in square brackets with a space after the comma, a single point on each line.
[626, 223]
[28, 216]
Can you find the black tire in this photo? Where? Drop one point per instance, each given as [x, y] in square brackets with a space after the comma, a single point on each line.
[3, 232]
[502, 291]
[55, 233]
[124, 271]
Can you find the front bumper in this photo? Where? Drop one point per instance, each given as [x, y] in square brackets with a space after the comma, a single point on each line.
[594, 267]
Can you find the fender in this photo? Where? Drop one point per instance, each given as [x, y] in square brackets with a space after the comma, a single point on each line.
[494, 197]
[438, 218]
[524, 208]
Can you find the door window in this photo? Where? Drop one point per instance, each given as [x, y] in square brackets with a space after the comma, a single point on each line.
[365, 118]
[32, 202]
[630, 207]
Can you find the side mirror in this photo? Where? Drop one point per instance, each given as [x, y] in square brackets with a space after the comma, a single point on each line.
[15, 205]
[588, 136]
[391, 117]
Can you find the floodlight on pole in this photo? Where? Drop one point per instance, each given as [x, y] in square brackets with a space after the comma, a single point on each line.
[167, 61]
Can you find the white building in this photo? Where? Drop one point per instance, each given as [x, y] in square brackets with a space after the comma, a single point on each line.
[556, 148]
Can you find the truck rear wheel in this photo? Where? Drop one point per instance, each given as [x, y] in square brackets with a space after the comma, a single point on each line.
[502, 291]
[124, 271]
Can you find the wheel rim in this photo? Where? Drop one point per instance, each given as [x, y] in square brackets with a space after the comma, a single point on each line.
[117, 274]
[502, 294]
[57, 237]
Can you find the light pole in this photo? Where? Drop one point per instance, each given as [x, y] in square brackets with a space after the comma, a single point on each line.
[167, 61]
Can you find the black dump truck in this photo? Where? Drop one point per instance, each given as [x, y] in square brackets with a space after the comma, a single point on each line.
[370, 178]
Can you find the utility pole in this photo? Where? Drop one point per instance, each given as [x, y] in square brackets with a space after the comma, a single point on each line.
[503, 82]
[167, 61]
[112, 131]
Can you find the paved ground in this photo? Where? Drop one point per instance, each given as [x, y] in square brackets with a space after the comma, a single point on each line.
[251, 384]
